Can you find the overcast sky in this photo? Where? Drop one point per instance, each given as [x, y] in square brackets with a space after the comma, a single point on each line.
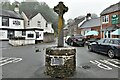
[79, 7]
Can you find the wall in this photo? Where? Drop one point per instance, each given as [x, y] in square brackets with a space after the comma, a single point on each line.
[30, 32]
[3, 35]
[18, 33]
[0, 21]
[40, 35]
[35, 19]
[49, 28]
[11, 25]
[25, 20]
[97, 28]
[48, 37]
[104, 26]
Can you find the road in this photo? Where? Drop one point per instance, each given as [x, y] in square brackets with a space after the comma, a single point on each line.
[25, 62]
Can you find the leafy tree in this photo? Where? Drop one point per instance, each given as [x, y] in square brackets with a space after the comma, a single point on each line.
[6, 5]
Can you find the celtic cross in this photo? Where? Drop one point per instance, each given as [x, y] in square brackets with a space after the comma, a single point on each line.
[60, 9]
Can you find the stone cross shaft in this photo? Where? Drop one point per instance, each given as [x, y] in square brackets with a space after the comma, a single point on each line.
[60, 9]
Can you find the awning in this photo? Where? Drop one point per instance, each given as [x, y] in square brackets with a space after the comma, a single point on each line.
[111, 28]
[92, 33]
[116, 32]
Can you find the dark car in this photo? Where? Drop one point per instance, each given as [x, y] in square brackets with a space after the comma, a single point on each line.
[91, 40]
[76, 40]
[110, 46]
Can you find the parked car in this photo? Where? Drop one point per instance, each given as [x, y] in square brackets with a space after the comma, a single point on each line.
[110, 46]
[66, 38]
[77, 40]
[91, 40]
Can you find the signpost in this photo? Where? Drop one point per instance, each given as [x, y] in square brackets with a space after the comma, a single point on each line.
[115, 19]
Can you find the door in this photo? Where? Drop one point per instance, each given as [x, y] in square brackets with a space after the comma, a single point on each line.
[104, 46]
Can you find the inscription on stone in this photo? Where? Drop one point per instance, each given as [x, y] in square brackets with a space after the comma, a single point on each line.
[57, 61]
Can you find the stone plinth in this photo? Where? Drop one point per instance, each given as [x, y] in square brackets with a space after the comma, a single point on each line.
[60, 62]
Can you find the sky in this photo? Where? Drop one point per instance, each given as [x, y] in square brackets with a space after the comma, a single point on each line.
[79, 7]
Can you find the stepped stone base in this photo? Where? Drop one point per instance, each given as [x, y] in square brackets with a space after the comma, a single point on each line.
[60, 61]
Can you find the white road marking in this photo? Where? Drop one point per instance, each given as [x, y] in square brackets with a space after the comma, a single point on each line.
[17, 60]
[101, 65]
[116, 61]
[6, 60]
[3, 58]
[109, 63]
[106, 63]
[5, 63]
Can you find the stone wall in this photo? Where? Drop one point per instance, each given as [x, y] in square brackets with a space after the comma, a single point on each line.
[60, 62]
[48, 37]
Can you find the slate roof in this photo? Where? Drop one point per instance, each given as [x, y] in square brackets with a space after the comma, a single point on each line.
[91, 23]
[9, 13]
[77, 21]
[112, 8]
[31, 15]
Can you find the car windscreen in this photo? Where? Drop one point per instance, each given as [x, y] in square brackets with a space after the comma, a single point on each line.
[118, 42]
[78, 37]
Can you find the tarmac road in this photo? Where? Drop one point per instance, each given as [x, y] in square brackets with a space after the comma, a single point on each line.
[25, 62]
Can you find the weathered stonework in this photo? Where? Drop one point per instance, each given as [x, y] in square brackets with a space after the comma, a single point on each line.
[60, 62]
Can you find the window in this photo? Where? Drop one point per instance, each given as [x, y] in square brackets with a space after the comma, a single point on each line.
[16, 22]
[111, 41]
[106, 41]
[100, 41]
[46, 24]
[39, 23]
[10, 34]
[28, 23]
[37, 34]
[117, 42]
[105, 19]
[23, 33]
[30, 35]
[5, 21]
[108, 34]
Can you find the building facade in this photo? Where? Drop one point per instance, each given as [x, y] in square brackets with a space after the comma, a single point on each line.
[10, 22]
[90, 25]
[110, 20]
[42, 26]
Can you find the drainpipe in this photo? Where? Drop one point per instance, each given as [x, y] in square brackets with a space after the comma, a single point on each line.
[101, 26]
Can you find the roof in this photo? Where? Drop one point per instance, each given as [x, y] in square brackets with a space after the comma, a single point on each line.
[91, 23]
[112, 8]
[9, 13]
[31, 15]
[78, 20]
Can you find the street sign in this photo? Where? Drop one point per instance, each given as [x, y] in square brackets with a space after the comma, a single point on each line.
[115, 19]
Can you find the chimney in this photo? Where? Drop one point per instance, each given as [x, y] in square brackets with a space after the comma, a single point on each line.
[88, 17]
[16, 9]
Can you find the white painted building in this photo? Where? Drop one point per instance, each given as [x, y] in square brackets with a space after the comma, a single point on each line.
[39, 24]
[10, 21]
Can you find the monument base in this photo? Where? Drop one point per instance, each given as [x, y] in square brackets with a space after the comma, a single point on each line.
[60, 61]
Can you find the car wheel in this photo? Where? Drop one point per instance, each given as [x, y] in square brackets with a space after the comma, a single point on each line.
[90, 48]
[111, 53]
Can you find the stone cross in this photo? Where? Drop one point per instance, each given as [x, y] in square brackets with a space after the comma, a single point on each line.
[60, 9]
